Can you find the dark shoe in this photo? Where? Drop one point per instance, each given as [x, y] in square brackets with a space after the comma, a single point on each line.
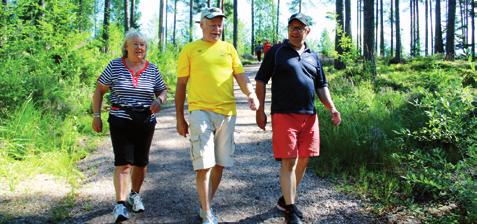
[291, 216]
[283, 207]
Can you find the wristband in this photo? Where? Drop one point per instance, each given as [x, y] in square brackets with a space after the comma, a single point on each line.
[97, 114]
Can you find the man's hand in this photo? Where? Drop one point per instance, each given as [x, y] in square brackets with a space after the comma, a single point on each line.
[182, 127]
[253, 102]
[335, 116]
[261, 119]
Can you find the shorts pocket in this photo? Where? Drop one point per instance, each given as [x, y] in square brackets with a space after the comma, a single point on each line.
[196, 150]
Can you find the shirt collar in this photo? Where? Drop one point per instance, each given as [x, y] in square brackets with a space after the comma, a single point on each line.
[287, 43]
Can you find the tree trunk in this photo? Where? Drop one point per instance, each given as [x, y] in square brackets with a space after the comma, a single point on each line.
[439, 47]
[473, 28]
[132, 22]
[41, 3]
[369, 36]
[358, 25]
[376, 28]
[431, 26]
[411, 14]
[347, 20]
[278, 20]
[126, 13]
[450, 48]
[107, 11]
[161, 25]
[466, 16]
[338, 63]
[165, 23]
[208, 3]
[175, 22]
[417, 42]
[235, 34]
[95, 8]
[426, 48]
[190, 19]
[397, 53]
[221, 2]
[299, 6]
[382, 29]
[462, 21]
[391, 16]
[252, 5]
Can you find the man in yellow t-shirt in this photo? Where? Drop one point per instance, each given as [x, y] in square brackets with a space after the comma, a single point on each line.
[207, 68]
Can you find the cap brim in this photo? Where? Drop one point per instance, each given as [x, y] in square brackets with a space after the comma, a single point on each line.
[211, 17]
[299, 20]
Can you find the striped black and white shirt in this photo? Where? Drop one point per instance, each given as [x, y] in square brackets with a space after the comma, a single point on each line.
[128, 91]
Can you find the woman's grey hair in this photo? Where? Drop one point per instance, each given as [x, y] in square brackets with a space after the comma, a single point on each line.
[131, 34]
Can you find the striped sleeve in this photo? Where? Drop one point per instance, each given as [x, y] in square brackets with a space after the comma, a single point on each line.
[106, 77]
[159, 84]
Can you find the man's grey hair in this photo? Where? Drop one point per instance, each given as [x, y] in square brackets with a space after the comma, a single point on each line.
[131, 34]
[204, 20]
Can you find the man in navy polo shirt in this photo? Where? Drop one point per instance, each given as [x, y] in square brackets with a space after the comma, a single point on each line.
[297, 76]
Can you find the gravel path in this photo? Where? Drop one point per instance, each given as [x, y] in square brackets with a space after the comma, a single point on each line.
[247, 194]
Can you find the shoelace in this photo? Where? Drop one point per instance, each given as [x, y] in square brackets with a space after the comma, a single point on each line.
[137, 199]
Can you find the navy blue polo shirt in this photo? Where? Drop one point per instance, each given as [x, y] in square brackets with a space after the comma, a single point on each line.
[295, 78]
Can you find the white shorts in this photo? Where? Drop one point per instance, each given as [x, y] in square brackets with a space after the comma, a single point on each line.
[212, 139]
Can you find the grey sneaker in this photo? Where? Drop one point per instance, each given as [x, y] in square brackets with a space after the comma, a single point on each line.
[135, 200]
[120, 213]
[208, 219]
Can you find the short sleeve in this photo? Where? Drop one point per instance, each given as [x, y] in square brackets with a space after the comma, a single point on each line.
[265, 71]
[106, 76]
[236, 63]
[159, 84]
[321, 77]
[183, 63]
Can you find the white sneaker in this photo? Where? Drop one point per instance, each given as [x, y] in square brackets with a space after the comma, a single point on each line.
[120, 213]
[135, 200]
[208, 218]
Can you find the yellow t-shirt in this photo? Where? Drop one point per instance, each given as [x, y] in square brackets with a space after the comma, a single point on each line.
[210, 68]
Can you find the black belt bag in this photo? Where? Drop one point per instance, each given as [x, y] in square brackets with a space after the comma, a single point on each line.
[139, 115]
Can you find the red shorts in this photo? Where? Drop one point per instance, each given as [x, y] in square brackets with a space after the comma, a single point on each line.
[295, 135]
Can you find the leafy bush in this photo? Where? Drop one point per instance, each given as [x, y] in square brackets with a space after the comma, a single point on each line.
[414, 133]
[166, 61]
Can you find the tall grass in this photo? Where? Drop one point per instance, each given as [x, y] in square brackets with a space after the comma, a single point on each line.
[35, 142]
[363, 138]
[407, 138]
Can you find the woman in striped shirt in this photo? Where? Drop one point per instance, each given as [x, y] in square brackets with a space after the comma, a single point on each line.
[137, 92]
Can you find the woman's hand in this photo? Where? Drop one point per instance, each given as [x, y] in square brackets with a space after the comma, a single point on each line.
[97, 124]
[156, 105]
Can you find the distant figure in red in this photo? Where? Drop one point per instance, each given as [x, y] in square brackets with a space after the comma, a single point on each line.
[266, 47]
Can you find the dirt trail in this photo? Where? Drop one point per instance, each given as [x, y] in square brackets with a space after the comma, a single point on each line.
[247, 194]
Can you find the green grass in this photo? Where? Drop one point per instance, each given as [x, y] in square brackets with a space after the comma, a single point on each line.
[407, 139]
